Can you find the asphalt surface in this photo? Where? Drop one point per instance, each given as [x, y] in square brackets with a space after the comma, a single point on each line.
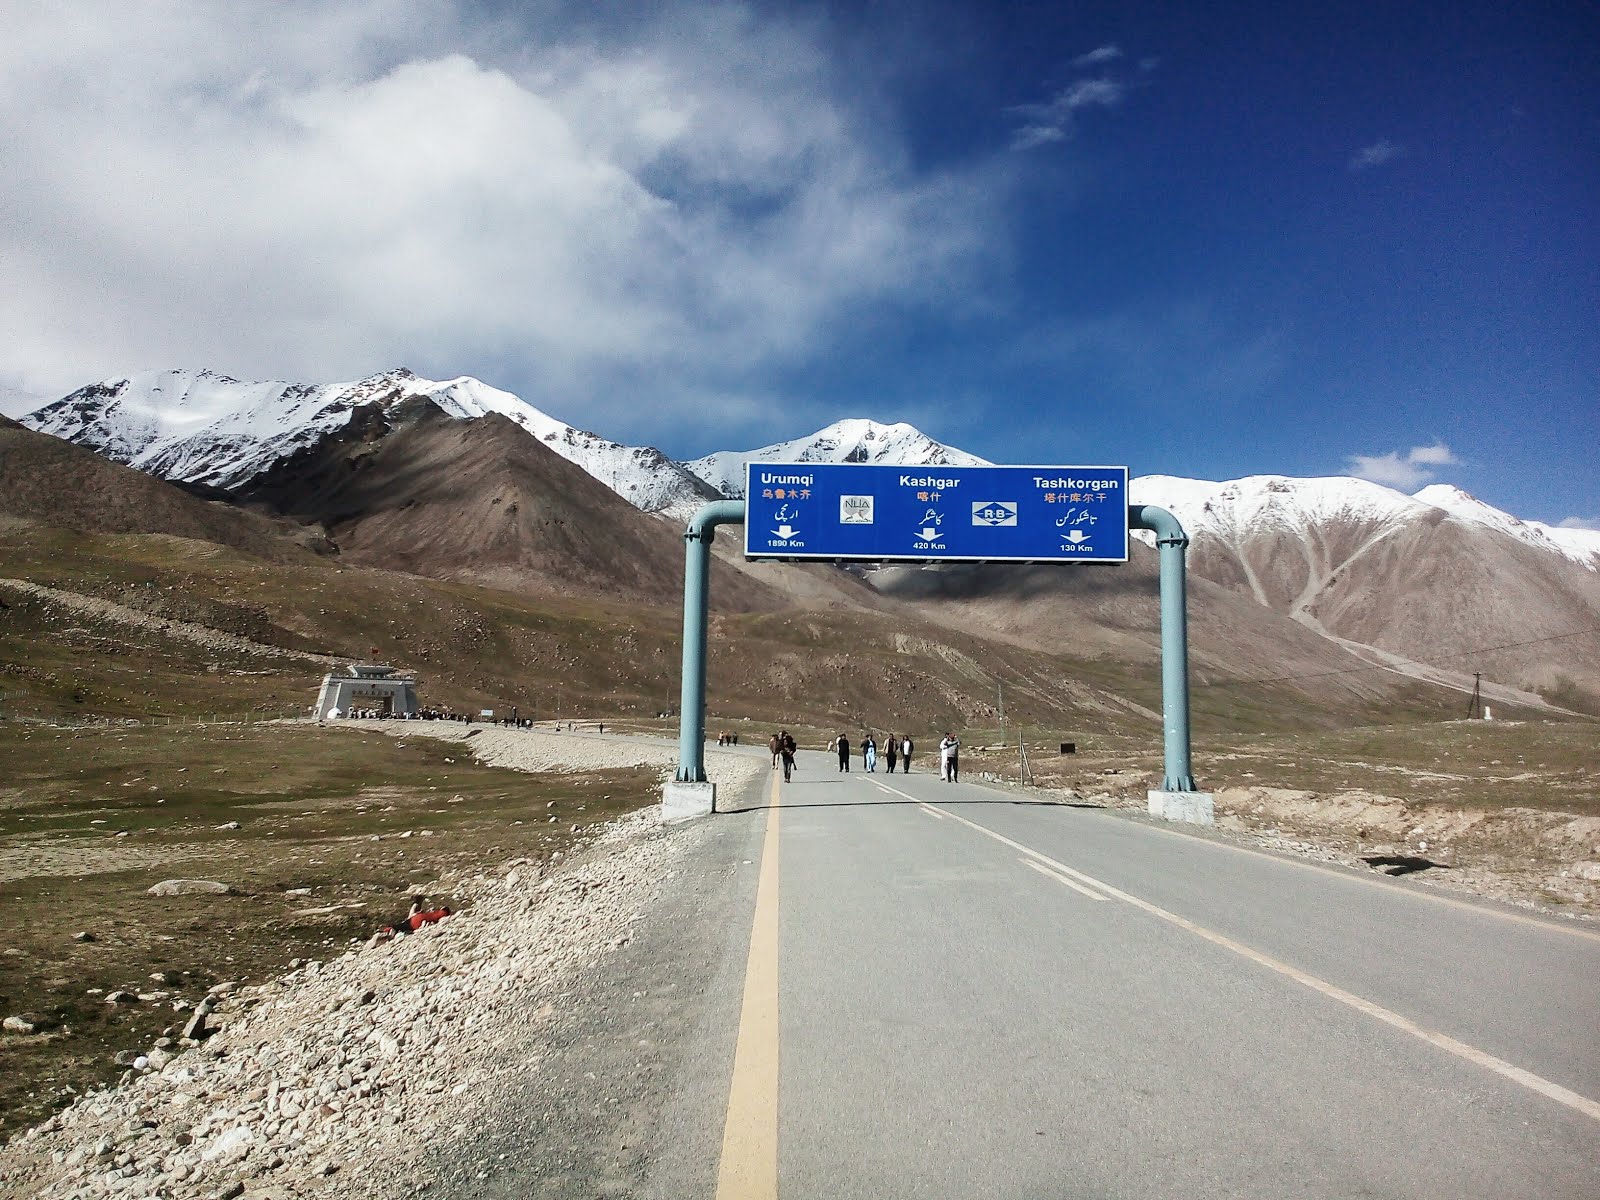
[976, 996]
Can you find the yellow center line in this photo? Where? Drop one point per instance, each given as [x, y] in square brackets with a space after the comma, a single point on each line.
[1536, 1083]
[749, 1166]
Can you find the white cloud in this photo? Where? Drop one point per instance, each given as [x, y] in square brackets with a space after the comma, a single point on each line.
[1579, 523]
[1098, 57]
[1436, 455]
[1406, 471]
[318, 190]
[1375, 155]
[1053, 120]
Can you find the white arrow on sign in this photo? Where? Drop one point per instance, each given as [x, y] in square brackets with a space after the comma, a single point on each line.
[1076, 536]
[786, 530]
[927, 533]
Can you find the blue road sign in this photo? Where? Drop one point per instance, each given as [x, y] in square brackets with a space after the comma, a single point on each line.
[953, 514]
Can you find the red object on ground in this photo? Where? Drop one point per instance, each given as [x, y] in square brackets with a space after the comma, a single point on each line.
[417, 920]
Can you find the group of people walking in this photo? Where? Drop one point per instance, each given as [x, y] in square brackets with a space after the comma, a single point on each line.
[897, 748]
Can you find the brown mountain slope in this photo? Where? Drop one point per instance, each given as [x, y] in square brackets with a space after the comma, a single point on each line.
[54, 482]
[480, 501]
[1113, 613]
[1433, 588]
[1465, 597]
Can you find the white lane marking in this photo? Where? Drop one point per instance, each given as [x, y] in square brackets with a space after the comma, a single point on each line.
[1482, 1058]
[1049, 874]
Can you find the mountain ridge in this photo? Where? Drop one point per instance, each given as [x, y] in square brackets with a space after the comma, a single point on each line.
[204, 427]
[1425, 577]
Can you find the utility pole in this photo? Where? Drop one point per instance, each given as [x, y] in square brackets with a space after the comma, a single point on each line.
[1475, 705]
[1000, 703]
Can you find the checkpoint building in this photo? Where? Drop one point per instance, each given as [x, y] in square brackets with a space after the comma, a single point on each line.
[385, 690]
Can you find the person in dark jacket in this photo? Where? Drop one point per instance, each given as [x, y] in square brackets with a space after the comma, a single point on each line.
[786, 749]
[844, 753]
[891, 750]
[905, 755]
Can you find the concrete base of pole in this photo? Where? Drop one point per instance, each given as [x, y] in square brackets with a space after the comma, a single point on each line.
[685, 801]
[1193, 807]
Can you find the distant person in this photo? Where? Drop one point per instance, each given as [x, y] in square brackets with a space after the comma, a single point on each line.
[786, 749]
[905, 755]
[775, 744]
[869, 753]
[844, 753]
[891, 750]
[949, 757]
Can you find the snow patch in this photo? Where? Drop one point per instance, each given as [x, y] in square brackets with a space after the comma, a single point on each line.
[854, 440]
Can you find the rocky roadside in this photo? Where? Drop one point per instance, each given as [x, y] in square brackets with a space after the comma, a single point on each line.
[334, 1079]
[1548, 862]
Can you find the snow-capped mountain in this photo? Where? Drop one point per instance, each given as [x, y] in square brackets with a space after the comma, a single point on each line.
[1259, 501]
[203, 427]
[1438, 577]
[1580, 545]
[854, 440]
[1230, 509]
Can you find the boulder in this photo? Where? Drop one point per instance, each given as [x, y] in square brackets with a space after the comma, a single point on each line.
[190, 887]
[196, 1027]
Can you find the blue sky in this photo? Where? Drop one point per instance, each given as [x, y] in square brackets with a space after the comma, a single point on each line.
[1196, 240]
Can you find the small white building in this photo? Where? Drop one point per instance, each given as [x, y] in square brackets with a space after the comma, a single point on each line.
[367, 686]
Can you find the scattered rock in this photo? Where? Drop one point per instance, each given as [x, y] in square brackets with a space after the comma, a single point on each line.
[189, 887]
[121, 998]
[21, 1023]
[321, 1069]
[84, 936]
[230, 825]
[195, 1028]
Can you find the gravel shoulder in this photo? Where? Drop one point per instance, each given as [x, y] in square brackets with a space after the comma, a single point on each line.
[425, 1064]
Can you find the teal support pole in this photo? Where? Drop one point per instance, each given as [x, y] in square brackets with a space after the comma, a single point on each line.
[696, 579]
[1171, 541]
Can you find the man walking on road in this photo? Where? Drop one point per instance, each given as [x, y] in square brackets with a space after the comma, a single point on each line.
[786, 749]
[905, 755]
[844, 753]
[869, 753]
[891, 746]
[949, 761]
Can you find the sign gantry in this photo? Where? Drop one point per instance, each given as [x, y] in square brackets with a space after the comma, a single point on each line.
[869, 513]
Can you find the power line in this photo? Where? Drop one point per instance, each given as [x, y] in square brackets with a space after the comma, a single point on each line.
[1388, 667]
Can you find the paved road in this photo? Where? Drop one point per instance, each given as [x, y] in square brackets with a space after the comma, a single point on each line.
[897, 987]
